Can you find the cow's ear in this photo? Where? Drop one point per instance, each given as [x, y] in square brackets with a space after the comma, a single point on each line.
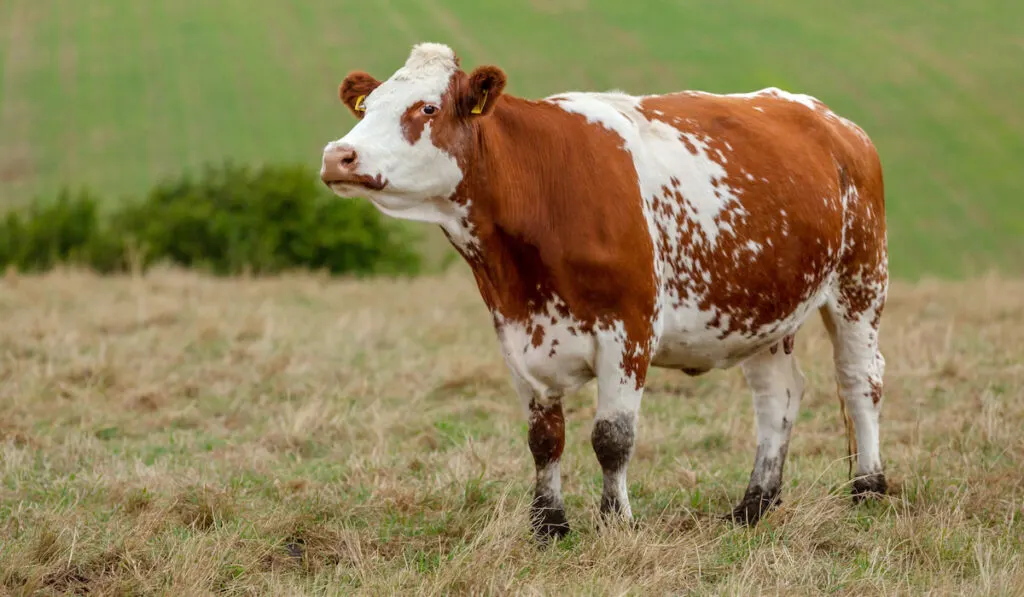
[354, 89]
[485, 87]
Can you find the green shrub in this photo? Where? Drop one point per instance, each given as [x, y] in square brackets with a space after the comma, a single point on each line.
[67, 230]
[227, 220]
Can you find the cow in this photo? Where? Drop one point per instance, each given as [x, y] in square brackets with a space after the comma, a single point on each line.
[609, 233]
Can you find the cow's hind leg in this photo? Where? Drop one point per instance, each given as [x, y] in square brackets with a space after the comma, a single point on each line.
[860, 367]
[777, 386]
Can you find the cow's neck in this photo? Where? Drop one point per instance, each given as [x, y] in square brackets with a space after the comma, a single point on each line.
[507, 192]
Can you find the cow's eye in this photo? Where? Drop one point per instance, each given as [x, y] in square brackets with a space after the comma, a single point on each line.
[430, 109]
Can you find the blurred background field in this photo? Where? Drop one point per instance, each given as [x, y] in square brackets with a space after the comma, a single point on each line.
[120, 94]
[297, 433]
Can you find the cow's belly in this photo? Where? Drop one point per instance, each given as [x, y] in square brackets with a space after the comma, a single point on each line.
[696, 340]
[547, 359]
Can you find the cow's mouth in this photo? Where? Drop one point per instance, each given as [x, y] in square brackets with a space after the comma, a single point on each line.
[365, 181]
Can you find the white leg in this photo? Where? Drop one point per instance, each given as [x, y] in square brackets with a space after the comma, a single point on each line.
[777, 385]
[620, 379]
[860, 368]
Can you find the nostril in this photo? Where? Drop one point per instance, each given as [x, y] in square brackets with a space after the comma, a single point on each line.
[348, 159]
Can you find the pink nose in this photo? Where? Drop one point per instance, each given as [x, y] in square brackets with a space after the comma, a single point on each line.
[339, 164]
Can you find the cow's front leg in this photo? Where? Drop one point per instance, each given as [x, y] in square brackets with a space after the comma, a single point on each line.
[547, 440]
[620, 379]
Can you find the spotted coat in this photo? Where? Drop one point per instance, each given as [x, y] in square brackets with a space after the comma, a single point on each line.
[609, 233]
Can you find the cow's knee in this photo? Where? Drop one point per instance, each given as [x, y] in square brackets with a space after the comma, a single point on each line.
[613, 438]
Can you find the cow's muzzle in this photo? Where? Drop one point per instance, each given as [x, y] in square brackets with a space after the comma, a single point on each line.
[340, 166]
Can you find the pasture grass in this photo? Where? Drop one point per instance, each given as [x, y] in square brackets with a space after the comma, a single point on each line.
[178, 434]
[117, 95]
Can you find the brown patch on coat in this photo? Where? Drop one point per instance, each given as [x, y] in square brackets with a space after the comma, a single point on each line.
[537, 337]
[787, 344]
[413, 122]
[780, 165]
[538, 236]
[554, 343]
[547, 433]
[876, 391]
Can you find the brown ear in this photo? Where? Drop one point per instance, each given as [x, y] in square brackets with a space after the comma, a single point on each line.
[485, 87]
[354, 89]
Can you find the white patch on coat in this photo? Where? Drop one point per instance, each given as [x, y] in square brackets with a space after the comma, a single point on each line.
[460, 228]
[563, 361]
[549, 481]
[854, 127]
[803, 99]
[659, 154]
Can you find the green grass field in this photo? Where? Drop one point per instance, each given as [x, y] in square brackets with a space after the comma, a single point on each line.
[120, 93]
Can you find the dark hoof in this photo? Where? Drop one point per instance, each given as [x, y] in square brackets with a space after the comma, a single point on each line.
[755, 504]
[613, 517]
[871, 486]
[610, 507]
[548, 519]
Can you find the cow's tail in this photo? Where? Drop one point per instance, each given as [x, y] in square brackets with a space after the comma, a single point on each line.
[851, 437]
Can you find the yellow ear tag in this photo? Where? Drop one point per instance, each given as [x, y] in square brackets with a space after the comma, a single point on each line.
[359, 104]
[479, 107]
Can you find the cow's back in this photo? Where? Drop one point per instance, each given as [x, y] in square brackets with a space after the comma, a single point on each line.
[760, 201]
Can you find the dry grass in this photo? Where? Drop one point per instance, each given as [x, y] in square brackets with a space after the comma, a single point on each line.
[178, 434]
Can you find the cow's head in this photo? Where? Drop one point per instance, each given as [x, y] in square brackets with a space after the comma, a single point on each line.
[409, 149]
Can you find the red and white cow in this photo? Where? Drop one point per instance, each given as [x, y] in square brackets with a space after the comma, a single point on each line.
[609, 233]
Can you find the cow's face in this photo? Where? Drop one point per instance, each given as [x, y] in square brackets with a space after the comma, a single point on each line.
[408, 150]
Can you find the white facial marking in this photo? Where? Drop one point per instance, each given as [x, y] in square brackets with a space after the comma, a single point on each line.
[420, 177]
